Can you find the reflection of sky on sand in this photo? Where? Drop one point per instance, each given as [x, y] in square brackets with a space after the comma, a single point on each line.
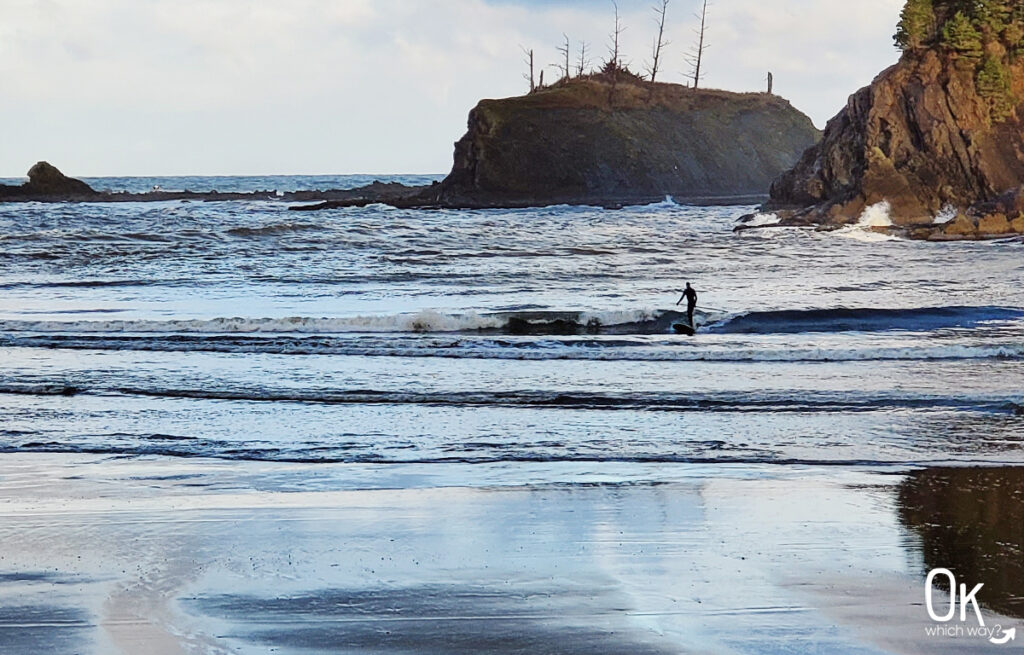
[219, 558]
[672, 566]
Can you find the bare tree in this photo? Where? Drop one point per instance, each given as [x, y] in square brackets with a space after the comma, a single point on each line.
[659, 43]
[529, 62]
[616, 37]
[583, 63]
[696, 56]
[565, 50]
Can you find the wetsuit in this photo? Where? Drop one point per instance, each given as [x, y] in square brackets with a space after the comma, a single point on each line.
[691, 303]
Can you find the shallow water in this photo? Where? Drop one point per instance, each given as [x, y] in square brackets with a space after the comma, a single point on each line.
[243, 330]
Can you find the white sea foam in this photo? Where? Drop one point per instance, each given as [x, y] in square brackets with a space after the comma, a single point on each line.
[762, 220]
[427, 321]
[877, 215]
[873, 218]
[947, 215]
[622, 317]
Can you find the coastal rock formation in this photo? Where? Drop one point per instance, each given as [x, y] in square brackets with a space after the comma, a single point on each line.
[610, 138]
[942, 129]
[45, 182]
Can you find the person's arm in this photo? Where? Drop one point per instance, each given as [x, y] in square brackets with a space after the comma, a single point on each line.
[681, 299]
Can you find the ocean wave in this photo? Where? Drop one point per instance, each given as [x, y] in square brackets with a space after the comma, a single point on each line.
[275, 229]
[638, 349]
[612, 322]
[864, 320]
[776, 402]
[45, 389]
[641, 321]
[709, 453]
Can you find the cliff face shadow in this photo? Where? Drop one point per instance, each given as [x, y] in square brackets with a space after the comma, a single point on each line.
[971, 521]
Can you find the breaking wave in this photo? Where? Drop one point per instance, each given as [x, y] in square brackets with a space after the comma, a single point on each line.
[610, 322]
[640, 335]
[865, 320]
[624, 322]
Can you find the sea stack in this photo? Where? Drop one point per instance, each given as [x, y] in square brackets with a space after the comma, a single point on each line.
[607, 138]
[939, 133]
[46, 182]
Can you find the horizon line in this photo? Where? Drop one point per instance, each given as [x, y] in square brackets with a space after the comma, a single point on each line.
[23, 176]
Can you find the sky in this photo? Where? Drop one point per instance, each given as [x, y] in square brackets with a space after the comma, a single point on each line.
[253, 87]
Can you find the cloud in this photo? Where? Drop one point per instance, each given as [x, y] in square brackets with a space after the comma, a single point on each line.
[262, 86]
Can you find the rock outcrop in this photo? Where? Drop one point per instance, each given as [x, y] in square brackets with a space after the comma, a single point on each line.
[45, 182]
[604, 140]
[940, 130]
[609, 139]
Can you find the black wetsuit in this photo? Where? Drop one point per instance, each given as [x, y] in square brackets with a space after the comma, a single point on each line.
[691, 303]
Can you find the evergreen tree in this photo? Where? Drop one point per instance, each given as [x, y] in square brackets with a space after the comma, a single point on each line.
[960, 35]
[1013, 35]
[993, 79]
[993, 83]
[991, 16]
[917, 25]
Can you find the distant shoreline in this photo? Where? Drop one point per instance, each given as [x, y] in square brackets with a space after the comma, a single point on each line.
[396, 194]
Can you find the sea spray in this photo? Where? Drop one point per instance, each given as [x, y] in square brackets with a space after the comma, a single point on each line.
[868, 228]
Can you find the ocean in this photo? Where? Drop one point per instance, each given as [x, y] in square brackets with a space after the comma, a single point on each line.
[383, 335]
[386, 349]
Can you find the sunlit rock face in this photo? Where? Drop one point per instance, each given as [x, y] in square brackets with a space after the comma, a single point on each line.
[942, 128]
[605, 139]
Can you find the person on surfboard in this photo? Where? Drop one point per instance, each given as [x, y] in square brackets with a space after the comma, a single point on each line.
[690, 296]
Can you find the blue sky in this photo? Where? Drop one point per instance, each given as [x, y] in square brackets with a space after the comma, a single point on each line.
[120, 87]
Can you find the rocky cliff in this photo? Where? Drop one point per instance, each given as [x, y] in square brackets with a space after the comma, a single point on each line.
[941, 132]
[607, 140]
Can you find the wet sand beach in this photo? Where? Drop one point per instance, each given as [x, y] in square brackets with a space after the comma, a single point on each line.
[159, 556]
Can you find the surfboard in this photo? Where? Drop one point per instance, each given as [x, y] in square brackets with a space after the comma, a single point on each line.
[683, 328]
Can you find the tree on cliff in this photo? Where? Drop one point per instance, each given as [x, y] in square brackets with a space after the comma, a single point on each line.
[529, 77]
[991, 16]
[917, 25]
[614, 62]
[994, 86]
[696, 56]
[583, 63]
[963, 25]
[960, 35]
[565, 51]
[660, 13]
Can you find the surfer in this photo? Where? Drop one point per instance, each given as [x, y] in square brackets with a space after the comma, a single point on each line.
[690, 296]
